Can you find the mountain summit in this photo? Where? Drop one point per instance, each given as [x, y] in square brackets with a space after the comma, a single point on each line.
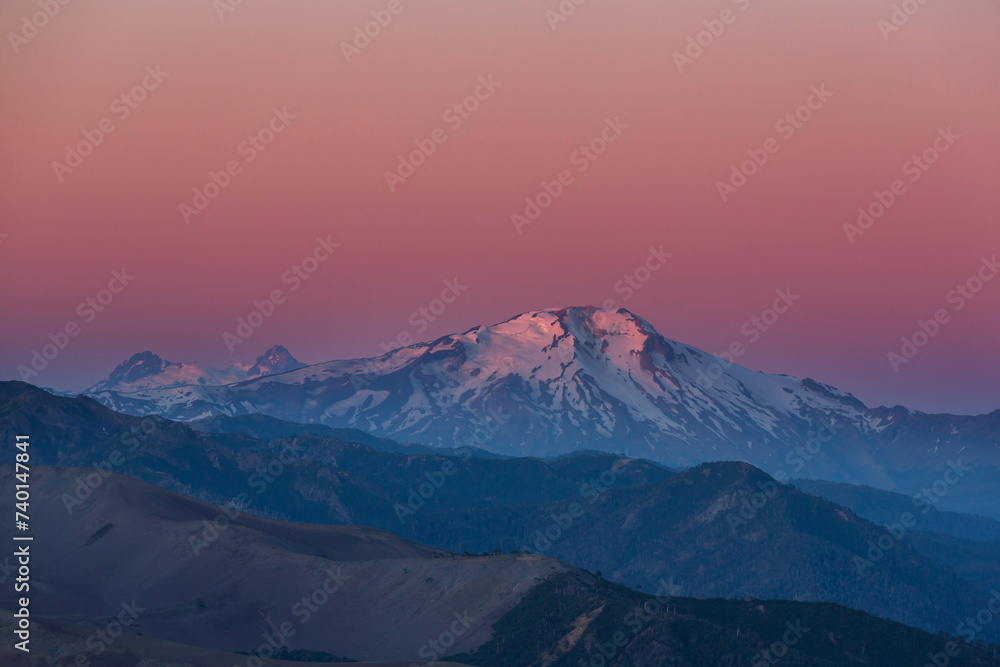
[138, 366]
[146, 370]
[554, 381]
[276, 360]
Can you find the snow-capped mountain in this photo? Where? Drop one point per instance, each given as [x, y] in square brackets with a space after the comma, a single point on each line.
[277, 359]
[146, 370]
[555, 381]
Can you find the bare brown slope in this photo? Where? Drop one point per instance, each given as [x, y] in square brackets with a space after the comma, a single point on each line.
[57, 643]
[202, 578]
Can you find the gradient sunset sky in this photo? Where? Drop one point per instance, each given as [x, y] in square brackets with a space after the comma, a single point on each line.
[63, 233]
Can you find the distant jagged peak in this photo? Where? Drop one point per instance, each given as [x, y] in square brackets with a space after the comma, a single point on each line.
[277, 359]
[146, 370]
[138, 366]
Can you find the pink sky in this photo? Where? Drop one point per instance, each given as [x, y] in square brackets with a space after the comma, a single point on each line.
[656, 184]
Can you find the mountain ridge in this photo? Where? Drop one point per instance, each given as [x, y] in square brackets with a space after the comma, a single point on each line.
[718, 529]
[491, 611]
[549, 382]
[147, 370]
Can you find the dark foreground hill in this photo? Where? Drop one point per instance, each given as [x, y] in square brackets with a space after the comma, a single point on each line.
[193, 573]
[575, 619]
[729, 530]
[188, 582]
[58, 643]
